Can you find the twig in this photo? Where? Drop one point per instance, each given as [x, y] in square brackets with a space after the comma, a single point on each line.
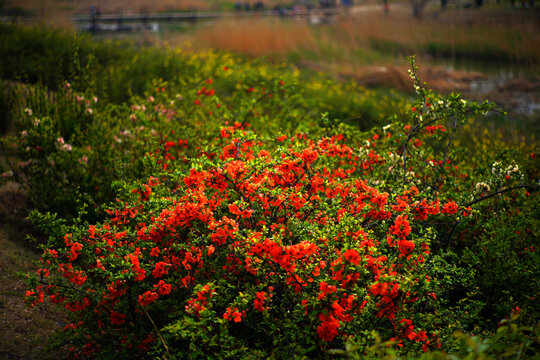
[157, 331]
[454, 226]
[500, 192]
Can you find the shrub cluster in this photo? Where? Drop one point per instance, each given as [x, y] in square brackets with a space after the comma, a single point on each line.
[222, 216]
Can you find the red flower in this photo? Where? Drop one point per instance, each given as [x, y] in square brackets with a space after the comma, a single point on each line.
[405, 246]
[326, 289]
[232, 314]
[328, 329]
[161, 269]
[259, 301]
[117, 318]
[147, 298]
[352, 256]
[449, 208]
[162, 288]
[74, 253]
[309, 155]
[401, 227]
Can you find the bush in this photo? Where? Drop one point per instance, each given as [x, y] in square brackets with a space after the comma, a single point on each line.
[276, 246]
[251, 246]
[199, 206]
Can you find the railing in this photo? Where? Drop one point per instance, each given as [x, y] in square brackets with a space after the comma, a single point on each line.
[190, 16]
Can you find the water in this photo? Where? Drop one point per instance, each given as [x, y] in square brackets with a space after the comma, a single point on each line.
[516, 87]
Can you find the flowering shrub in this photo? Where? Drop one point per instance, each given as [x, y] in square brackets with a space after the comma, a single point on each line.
[245, 226]
[264, 247]
[251, 242]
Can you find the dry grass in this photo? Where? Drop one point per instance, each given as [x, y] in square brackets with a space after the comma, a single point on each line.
[363, 37]
[256, 37]
[371, 47]
[460, 30]
[354, 39]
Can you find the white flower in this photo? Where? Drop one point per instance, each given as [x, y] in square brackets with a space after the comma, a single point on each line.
[7, 174]
[125, 133]
[66, 147]
[513, 168]
[482, 186]
[495, 168]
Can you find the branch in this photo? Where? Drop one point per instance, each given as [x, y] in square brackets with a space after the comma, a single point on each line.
[454, 226]
[500, 192]
[157, 331]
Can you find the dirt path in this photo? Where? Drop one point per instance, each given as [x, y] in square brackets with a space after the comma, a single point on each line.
[25, 331]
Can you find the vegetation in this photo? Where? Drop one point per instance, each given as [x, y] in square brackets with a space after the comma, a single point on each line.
[203, 205]
[371, 37]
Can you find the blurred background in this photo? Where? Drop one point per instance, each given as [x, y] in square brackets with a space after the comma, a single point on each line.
[481, 48]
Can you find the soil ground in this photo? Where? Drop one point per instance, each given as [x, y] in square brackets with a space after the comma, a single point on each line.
[25, 331]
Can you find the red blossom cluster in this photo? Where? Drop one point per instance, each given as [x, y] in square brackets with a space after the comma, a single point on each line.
[233, 314]
[199, 303]
[290, 229]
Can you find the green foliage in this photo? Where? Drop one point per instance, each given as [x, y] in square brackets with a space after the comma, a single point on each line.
[512, 340]
[77, 135]
[8, 105]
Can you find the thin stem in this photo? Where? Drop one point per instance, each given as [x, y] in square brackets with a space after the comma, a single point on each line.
[157, 331]
[500, 192]
[456, 223]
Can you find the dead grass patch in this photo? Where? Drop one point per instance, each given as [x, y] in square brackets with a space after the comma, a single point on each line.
[256, 37]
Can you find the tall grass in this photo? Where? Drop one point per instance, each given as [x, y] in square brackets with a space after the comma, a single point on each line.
[8, 104]
[370, 37]
[257, 37]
